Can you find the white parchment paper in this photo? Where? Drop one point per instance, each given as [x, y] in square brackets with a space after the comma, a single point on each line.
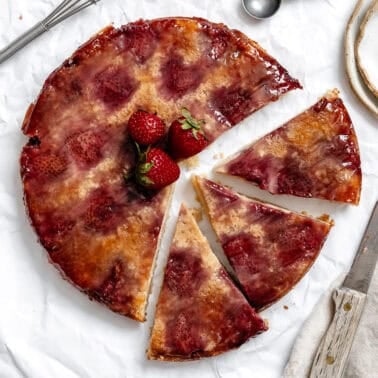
[48, 329]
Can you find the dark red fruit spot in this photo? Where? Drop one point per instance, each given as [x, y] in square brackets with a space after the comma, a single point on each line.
[111, 290]
[258, 212]
[183, 334]
[47, 165]
[114, 86]
[222, 195]
[86, 146]
[240, 323]
[242, 250]
[184, 273]
[53, 230]
[296, 241]
[219, 40]
[180, 78]
[76, 87]
[233, 103]
[320, 105]
[103, 213]
[139, 39]
[293, 180]
[253, 169]
[343, 149]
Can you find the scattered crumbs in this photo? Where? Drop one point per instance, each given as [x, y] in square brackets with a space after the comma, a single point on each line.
[332, 94]
[220, 155]
[285, 307]
[197, 213]
[326, 218]
[191, 163]
[20, 17]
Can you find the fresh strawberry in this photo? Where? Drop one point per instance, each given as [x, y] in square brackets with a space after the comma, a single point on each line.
[186, 137]
[145, 128]
[156, 169]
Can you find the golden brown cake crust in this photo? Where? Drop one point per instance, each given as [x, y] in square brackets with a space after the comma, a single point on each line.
[270, 248]
[200, 312]
[101, 232]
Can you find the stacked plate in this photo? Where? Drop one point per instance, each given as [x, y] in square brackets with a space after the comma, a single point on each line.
[361, 52]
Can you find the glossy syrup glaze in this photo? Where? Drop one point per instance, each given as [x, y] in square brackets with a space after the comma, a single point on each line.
[269, 248]
[314, 155]
[101, 231]
[200, 311]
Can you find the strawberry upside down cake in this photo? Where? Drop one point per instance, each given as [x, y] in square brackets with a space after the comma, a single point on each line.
[101, 230]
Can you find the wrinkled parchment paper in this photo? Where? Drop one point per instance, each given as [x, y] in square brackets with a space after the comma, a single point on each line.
[47, 327]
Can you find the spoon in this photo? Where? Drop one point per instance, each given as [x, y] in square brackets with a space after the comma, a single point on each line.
[261, 8]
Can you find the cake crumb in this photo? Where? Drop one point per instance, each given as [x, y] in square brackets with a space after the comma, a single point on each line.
[192, 162]
[332, 94]
[20, 17]
[197, 213]
[326, 218]
[220, 155]
[285, 307]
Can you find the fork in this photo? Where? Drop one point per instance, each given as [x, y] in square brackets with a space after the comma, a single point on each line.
[65, 9]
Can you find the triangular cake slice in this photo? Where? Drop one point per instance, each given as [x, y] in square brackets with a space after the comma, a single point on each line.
[270, 248]
[313, 155]
[200, 312]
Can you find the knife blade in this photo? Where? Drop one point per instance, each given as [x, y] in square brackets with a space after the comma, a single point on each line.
[362, 269]
[333, 352]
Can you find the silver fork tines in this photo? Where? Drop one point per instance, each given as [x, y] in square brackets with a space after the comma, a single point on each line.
[65, 9]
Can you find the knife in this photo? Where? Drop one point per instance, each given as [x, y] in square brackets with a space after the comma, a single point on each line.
[332, 354]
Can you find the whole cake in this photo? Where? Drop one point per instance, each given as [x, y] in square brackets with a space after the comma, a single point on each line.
[99, 229]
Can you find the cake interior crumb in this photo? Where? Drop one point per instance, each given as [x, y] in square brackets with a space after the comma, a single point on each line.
[197, 213]
[192, 162]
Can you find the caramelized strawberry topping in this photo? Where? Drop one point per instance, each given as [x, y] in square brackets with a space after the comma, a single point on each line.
[114, 86]
[102, 213]
[234, 103]
[139, 39]
[86, 146]
[54, 230]
[112, 290]
[180, 78]
[184, 273]
[183, 334]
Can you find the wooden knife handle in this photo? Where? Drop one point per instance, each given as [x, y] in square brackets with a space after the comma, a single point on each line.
[332, 354]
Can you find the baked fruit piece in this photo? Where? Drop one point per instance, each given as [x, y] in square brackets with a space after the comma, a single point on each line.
[200, 311]
[269, 248]
[313, 155]
[100, 231]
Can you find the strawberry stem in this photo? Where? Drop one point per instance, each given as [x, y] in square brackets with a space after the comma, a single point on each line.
[189, 122]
